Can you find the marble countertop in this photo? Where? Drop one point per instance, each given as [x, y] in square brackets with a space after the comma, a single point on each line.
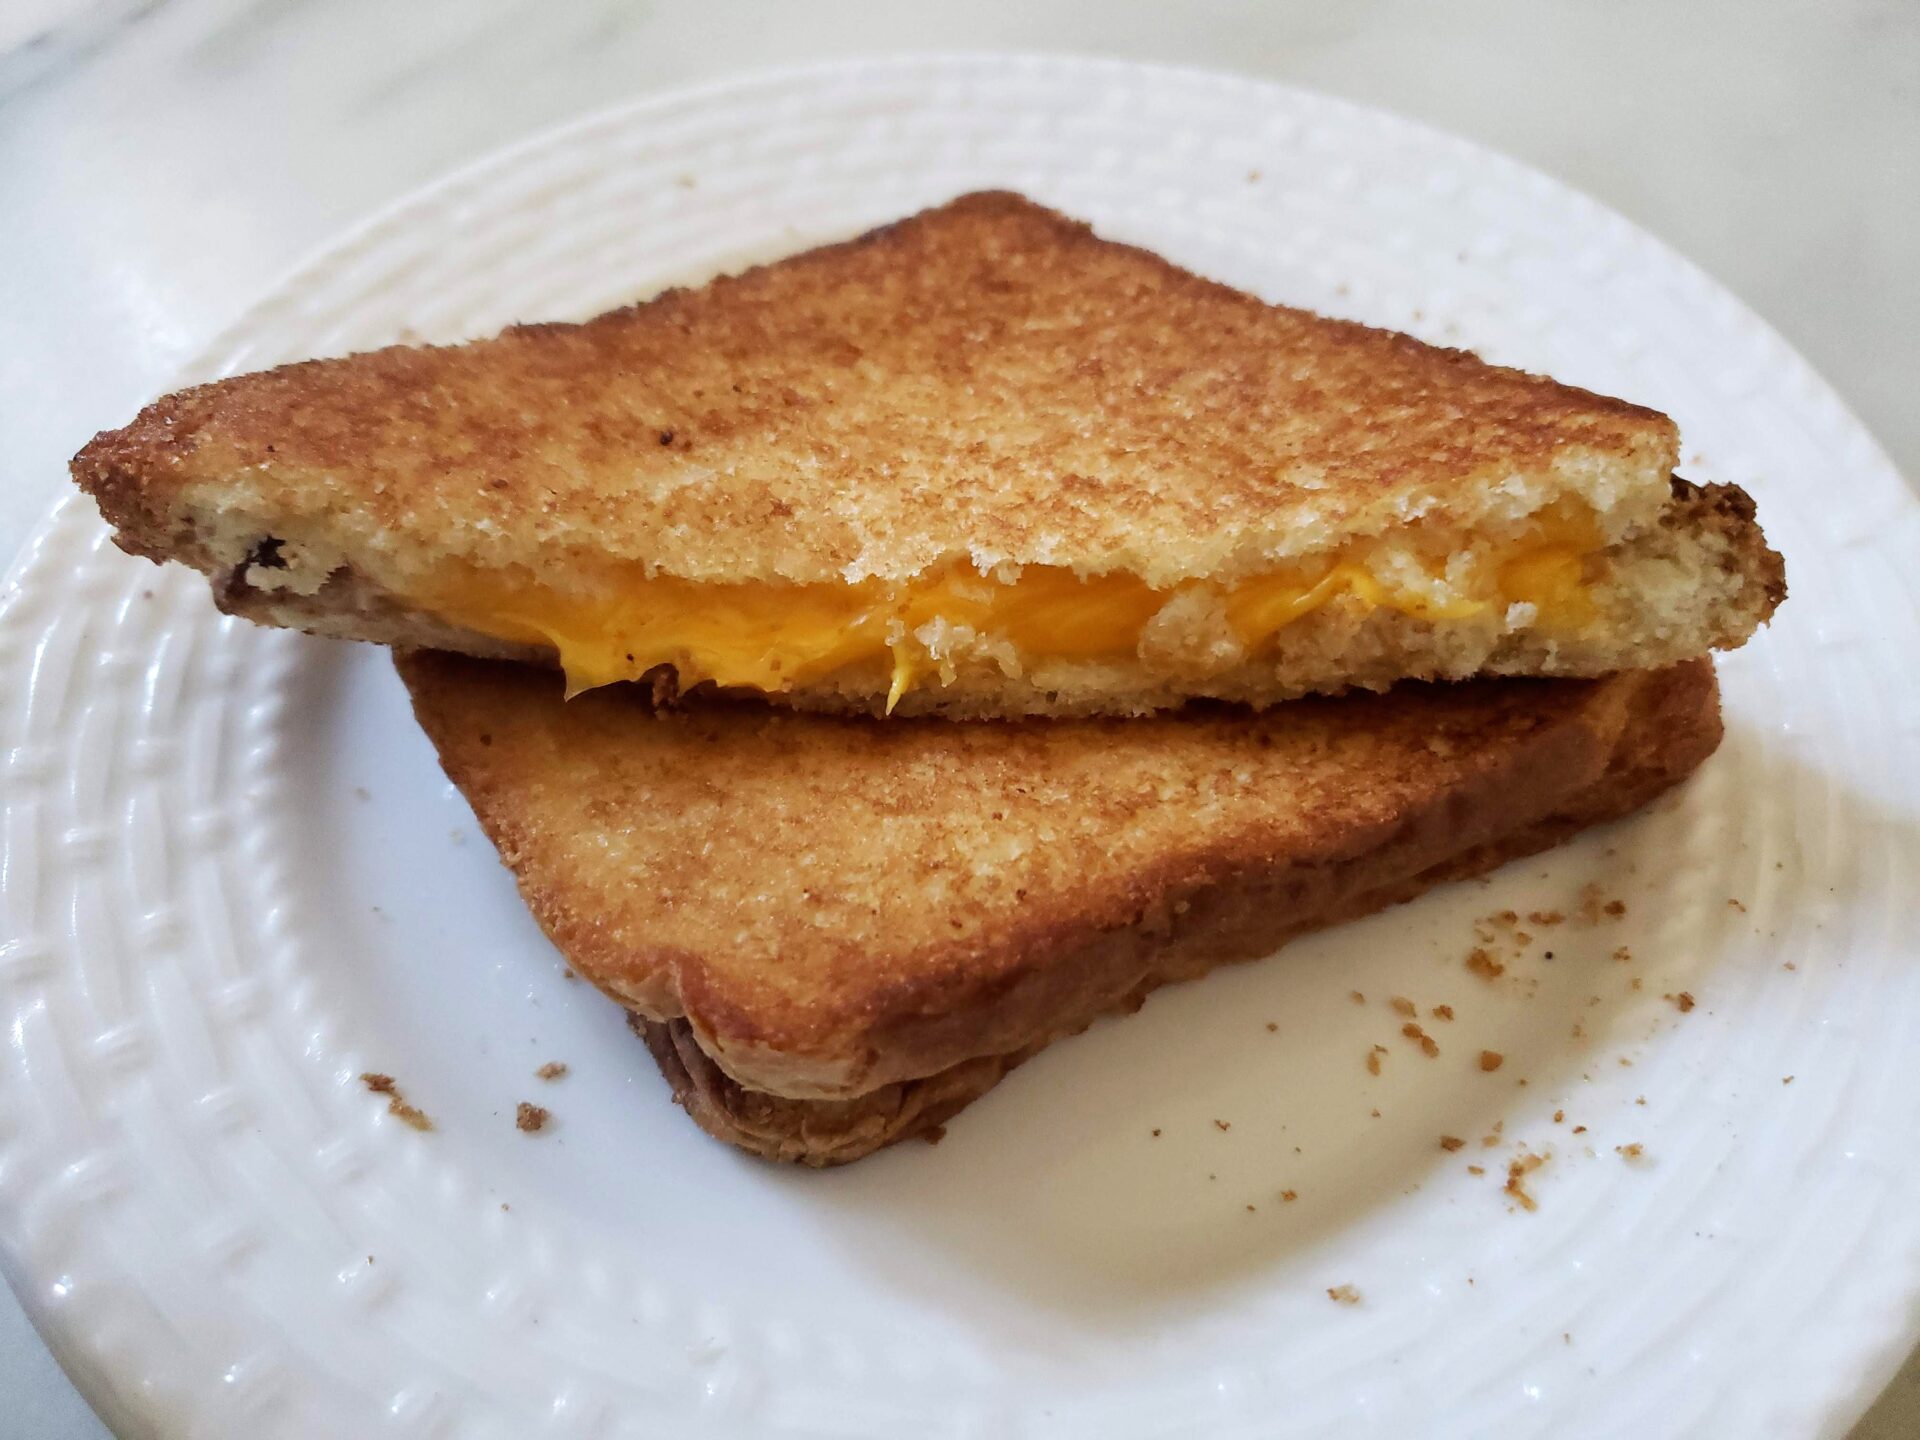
[163, 161]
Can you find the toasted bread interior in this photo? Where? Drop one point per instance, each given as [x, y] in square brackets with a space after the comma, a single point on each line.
[622, 623]
[1552, 599]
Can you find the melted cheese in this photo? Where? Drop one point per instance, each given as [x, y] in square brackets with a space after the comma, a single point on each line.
[772, 636]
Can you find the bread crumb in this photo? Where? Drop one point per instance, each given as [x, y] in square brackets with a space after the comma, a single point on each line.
[1491, 1059]
[1559, 1117]
[1491, 1139]
[1623, 955]
[1289, 1196]
[1404, 1006]
[1222, 1125]
[1451, 1142]
[1428, 1046]
[530, 1118]
[1250, 1208]
[1481, 963]
[1683, 1002]
[1343, 1294]
[1517, 1172]
[1476, 1169]
[397, 1105]
[1786, 1079]
[1356, 997]
[1271, 1027]
[1373, 1059]
[552, 1070]
[566, 973]
[1443, 1012]
[1376, 1112]
[1579, 1129]
[1737, 905]
[1629, 1152]
[934, 1134]
[1593, 906]
[1156, 1134]
[1545, 917]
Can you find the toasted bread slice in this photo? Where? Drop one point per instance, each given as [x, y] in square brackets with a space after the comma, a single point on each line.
[980, 462]
[831, 906]
[1671, 725]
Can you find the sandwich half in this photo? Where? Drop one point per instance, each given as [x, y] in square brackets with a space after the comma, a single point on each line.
[835, 931]
[980, 462]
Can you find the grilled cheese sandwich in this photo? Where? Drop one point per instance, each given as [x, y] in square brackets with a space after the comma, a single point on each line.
[978, 463]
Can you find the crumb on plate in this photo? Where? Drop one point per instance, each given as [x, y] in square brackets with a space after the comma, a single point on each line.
[1428, 1045]
[397, 1105]
[1517, 1172]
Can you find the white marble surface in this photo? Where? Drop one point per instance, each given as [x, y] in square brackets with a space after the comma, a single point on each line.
[162, 161]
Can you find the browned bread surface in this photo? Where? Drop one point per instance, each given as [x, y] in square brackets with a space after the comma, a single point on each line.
[1672, 724]
[835, 905]
[988, 379]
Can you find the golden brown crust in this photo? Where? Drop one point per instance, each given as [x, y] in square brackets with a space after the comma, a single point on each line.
[987, 379]
[1671, 724]
[1727, 514]
[839, 904]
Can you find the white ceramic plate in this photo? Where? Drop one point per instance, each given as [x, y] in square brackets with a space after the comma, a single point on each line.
[234, 879]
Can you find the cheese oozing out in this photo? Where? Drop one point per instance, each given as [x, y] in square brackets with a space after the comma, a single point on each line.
[772, 636]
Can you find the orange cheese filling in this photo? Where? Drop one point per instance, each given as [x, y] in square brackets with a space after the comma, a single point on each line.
[772, 636]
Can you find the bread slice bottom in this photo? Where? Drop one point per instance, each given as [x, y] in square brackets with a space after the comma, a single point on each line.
[1672, 724]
